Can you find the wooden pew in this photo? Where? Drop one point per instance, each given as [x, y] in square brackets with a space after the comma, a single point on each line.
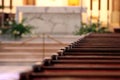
[84, 59]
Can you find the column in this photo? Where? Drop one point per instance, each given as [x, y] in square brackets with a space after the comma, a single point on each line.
[115, 18]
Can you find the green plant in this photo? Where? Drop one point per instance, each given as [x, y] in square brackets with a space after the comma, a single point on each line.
[3, 30]
[18, 29]
[93, 27]
[15, 29]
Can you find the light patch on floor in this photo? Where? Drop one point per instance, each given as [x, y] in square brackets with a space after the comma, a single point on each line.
[12, 72]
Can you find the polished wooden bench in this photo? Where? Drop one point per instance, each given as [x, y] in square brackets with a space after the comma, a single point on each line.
[84, 59]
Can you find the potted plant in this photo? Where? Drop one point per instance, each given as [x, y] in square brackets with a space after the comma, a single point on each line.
[93, 27]
[15, 29]
[18, 29]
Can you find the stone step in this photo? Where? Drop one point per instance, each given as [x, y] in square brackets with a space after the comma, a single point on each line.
[24, 53]
[34, 47]
[21, 56]
[30, 50]
[33, 60]
[16, 44]
[16, 56]
[50, 39]
[31, 47]
[24, 56]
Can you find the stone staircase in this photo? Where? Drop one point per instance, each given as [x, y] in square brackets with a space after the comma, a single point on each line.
[33, 50]
[27, 52]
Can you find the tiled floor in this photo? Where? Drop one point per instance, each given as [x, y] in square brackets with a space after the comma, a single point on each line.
[11, 72]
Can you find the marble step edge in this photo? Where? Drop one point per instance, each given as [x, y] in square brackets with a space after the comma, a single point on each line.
[32, 47]
[20, 60]
[25, 53]
[33, 44]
